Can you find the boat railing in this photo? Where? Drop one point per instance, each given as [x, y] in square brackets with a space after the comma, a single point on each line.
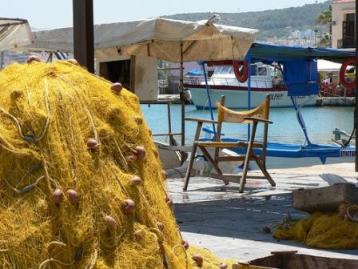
[258, 82]
[193, 80]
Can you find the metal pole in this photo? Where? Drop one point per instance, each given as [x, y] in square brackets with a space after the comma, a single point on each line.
[182, 98]
[209, 97]
[83, 40]
[170, 134]
[300, 120]
[169, 119]
[356, 78]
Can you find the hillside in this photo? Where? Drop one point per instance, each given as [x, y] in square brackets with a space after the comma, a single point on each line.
[275, 23]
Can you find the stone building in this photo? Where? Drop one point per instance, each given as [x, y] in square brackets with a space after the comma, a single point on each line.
[343, 16]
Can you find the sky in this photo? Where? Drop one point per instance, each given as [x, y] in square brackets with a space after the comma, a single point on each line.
[46, 14]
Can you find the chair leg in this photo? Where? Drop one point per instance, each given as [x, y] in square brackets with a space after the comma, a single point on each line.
[190, 166]
[211, 160]
[244, 175]
[214, 163]
[263, 169]
[192, 156]
[247, 158]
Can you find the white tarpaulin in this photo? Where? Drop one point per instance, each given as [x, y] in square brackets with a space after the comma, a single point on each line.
[14, 33]
[328, 66]
[160, 38]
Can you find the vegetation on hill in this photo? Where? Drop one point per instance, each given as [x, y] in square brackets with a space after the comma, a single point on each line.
[273, 23]
[325, 18]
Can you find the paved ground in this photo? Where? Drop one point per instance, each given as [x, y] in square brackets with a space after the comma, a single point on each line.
[230, 224]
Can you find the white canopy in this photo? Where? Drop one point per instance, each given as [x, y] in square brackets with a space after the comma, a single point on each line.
[160, 38]
[14, 33]
[328, 66]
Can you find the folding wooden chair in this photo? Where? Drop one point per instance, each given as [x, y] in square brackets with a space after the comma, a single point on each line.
[254, 116]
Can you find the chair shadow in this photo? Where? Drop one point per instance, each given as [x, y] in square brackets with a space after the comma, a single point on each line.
[241, 218]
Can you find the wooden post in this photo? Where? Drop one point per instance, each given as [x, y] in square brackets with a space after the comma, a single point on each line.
[83, 40]
[356, 78]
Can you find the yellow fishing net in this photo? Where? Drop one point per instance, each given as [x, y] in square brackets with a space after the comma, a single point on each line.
[321, 230]
[81, 184]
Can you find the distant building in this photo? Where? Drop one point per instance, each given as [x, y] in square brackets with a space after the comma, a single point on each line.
[343, 16]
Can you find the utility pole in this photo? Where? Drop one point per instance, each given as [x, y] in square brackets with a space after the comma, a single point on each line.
[315, 37]
[83, 40]
[356, 79]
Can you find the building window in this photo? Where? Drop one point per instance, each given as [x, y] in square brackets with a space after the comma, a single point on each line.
[348, 31]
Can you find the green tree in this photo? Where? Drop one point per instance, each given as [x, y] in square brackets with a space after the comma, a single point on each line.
[325, 18]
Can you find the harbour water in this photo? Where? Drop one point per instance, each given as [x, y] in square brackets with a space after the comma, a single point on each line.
[320, 122]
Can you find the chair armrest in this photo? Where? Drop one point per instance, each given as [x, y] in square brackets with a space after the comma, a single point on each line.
[202, 120]
[258, 120]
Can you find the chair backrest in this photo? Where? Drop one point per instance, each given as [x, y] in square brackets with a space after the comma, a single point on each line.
[227, 115]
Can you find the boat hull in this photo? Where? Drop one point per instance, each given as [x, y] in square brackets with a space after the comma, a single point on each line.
[238, 99]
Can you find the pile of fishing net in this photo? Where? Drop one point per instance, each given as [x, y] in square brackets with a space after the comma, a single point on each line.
[324, 230]
[81, 184]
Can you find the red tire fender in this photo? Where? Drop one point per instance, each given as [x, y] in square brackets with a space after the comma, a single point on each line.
[244, 73]
[342, 78]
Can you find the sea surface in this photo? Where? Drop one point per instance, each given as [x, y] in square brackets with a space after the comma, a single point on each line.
[320, 122]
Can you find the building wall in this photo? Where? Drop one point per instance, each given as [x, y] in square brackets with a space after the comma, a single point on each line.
[339, 10]
[145, 75]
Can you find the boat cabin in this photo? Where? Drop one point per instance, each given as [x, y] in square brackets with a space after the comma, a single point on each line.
[262, 76]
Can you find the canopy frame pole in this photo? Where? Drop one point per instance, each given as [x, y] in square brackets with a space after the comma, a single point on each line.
[203, 64]
[172, 141]
[83, 37]
[182, 97]
[301, 120]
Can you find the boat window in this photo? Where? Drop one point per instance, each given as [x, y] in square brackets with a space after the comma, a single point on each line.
[262, 71]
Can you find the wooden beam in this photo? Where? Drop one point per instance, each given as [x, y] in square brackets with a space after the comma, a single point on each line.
[83, 40]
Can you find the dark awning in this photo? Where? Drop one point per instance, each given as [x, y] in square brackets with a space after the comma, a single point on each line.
[274, 53]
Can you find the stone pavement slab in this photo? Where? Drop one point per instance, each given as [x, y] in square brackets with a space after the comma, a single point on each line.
[230, 223]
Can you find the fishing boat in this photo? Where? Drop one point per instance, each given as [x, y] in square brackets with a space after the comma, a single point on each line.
[300, 76]
[265, 80]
